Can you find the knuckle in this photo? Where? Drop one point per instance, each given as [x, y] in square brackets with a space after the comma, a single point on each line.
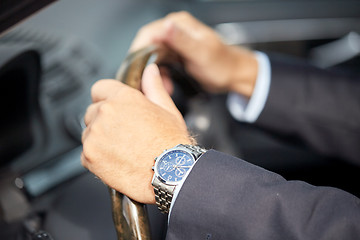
[103, 109]
[170, 15]
[87, 116]
[90, 144]
[146, 30]
[124, 94]
[83, 160]
[143, 30]
[184, 14]
[104, 87]
[87, 154]
[96, 86]
[83, 135]
[94, 132]
[179, 14]
[175, 16]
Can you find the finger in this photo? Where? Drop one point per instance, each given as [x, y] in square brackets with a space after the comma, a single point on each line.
[184, 33]
[103, 89]
[153, 88]
[148, 34]
[91, 112]
[84, 135]
[83, 160]
[176, 29]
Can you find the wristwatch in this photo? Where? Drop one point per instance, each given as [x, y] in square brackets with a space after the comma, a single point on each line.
[169, 170]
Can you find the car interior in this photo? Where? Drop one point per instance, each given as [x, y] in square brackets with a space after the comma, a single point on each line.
[51, 52]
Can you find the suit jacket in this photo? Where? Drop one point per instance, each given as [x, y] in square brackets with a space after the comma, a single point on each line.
[227, 198]
[320, 107]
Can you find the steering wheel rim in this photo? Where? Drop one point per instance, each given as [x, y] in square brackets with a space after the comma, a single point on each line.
[130, 217]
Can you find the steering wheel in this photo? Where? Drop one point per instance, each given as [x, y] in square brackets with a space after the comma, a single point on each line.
[130, 217]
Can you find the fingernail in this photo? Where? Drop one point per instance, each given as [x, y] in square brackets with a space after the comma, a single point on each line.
[152, 69]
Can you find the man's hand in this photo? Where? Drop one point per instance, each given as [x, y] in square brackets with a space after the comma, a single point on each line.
[127, 129]
[218, 67]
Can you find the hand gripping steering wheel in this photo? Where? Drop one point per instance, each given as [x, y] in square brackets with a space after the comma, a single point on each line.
[130, 217]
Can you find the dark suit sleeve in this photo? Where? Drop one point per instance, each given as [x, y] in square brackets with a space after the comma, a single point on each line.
[320, 107]
[227, 198]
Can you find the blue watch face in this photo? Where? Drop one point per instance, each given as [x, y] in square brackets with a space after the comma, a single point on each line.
[172, 167]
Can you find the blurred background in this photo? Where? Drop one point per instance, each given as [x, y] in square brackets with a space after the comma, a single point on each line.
[49, 61]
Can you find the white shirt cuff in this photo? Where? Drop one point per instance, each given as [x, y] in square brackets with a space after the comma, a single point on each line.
[248, 110]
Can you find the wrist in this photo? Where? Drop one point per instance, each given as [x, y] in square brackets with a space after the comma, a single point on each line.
[243, 71]
[170, 169]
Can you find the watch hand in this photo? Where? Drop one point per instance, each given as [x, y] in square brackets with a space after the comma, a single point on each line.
[179, 160]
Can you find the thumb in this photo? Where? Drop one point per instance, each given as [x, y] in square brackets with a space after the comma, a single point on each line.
[153, 88]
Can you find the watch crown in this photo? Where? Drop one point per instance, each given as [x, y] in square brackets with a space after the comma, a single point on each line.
[152, 168]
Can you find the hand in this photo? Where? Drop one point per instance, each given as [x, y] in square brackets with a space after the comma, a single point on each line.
[218, 67]
[127, 129]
